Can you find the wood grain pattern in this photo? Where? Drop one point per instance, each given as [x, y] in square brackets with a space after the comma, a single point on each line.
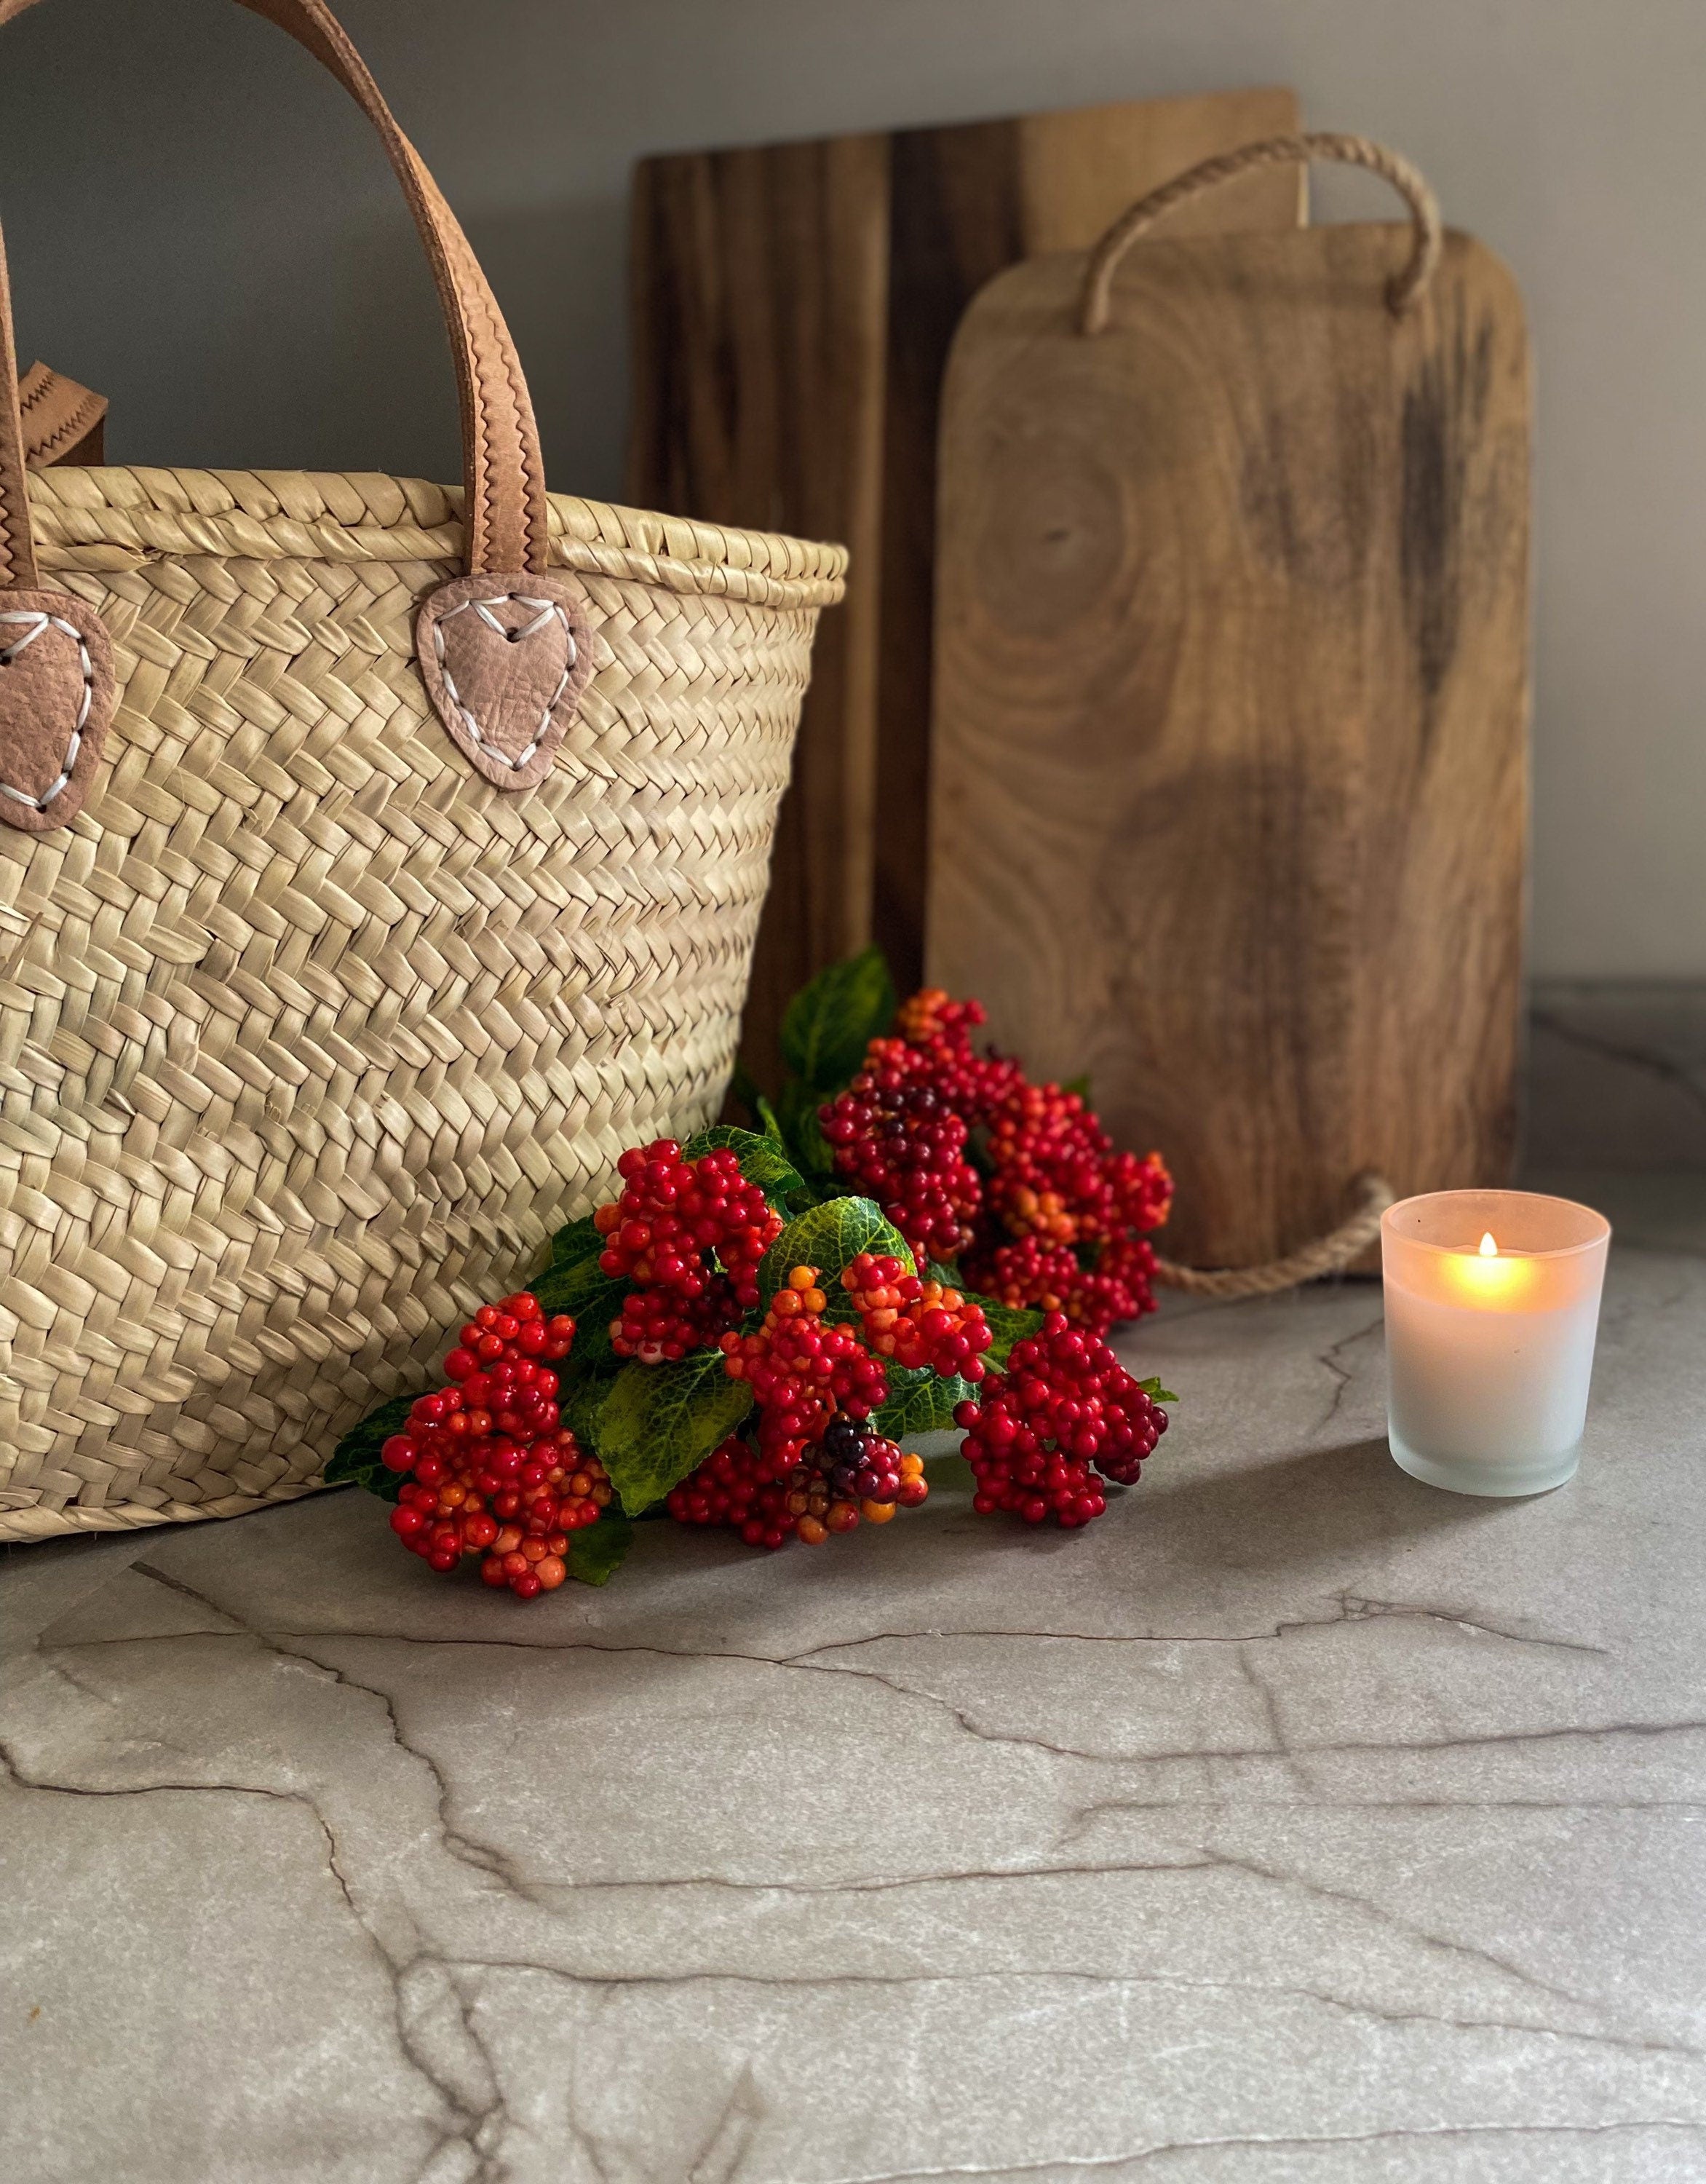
[760, 282]
[793, 305]
[1231, 688]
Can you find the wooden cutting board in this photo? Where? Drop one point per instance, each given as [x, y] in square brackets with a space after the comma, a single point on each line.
[1231, 682]
[793, 305]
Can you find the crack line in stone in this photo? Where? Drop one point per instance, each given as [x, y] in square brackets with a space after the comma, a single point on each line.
[1660, 1065]
[1007, 2168]
[1342, 1374]
[394, 1972]
[1069, 1975]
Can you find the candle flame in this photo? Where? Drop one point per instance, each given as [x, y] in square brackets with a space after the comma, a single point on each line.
[1489, 1250]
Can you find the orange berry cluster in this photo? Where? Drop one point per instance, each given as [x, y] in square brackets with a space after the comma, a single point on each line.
[916, 1322]
[802, 1368]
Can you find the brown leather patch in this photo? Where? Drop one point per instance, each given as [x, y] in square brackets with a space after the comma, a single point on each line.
[56, 699]
[504, 660]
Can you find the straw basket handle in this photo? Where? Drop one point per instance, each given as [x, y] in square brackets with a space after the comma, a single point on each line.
[502, 465]
[1097, 292]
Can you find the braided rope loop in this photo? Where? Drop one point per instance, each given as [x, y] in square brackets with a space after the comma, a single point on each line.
[1330, 1254]
[1401, 290]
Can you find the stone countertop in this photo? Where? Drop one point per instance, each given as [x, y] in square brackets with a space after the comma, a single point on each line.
[1295, 1823]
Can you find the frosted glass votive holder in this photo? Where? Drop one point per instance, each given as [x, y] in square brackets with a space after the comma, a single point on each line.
[1491, 1308]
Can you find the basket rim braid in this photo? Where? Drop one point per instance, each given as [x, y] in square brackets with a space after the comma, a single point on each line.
[107, 517]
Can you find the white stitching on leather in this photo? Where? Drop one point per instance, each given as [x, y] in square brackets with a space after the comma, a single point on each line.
[39, 622]
[546, 608]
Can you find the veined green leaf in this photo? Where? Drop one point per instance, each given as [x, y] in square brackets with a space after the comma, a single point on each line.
[576, 1241]
[656, 1423]
[581, 1404]
[574, 1282]
[920, 1401]
[828, 1237]
[1007, 1324]
[831, 1020]
[803, 1132]
[763, 1161]
[598, 1550]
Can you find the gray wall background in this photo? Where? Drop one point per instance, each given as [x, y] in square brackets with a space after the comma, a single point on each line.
[201, 225]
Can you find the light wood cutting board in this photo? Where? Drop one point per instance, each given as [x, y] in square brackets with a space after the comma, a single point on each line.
[1231, 682]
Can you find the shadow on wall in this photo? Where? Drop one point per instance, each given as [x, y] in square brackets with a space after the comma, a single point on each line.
[338, 360]
[330, 352]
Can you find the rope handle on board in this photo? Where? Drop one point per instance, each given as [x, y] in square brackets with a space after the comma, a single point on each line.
[1402, 289]
[1328, 1255]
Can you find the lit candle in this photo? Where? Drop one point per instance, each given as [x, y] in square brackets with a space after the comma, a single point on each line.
[1492, 1304]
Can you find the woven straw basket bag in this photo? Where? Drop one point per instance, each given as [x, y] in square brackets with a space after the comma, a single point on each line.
[379, 861]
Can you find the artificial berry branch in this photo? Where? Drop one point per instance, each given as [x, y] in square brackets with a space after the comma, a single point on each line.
[747, 1332]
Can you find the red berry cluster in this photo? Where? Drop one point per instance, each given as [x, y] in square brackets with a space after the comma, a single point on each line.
[1060, 1219]
[661, 1324]
[490, 1470]
[675, 1225]
[895, 1136]
[802, 1368]
[1049, 1278]
[736, 1486]
[938, 1032]
[916, 1322]
[1065, 1409]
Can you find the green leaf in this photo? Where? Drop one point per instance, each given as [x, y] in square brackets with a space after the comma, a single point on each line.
[579, 1241]
[357, 1455]
[1080, 1086]
[581, 1406]
[803, 1131]
[1007, 1324]
[772, 1128]
[656, 1423]
[598, 1549]
[830, 1021]
[763, 1161]
[828, 1237]
[1157, 1394]
[920, 1401]
[574, 1282]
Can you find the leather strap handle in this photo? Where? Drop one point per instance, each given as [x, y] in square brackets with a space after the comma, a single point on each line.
[502, 467]
[17, 550]
[63, 422]
[1401, 290]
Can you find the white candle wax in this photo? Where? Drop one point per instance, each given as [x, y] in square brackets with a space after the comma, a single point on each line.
[1492, 1307]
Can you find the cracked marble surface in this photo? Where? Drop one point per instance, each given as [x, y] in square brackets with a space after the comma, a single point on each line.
[1616, 1074]
[1296, 1824]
